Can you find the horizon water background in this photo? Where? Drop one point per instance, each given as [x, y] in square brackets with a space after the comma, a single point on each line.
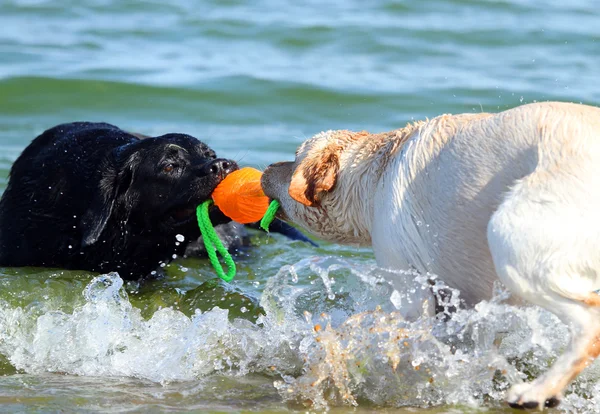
[301, 327]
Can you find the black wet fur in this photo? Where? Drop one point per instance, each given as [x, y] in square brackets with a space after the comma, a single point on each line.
[91, 196]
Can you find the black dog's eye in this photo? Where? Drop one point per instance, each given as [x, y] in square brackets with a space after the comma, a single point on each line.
[209, 154]
[168, 168]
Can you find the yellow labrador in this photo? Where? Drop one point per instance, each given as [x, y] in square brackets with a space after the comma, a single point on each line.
[471, 198]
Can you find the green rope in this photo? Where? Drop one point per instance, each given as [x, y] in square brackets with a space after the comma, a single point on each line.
[269, 215]
[213, 244]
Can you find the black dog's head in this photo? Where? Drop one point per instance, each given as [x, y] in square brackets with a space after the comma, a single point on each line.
[155, 185]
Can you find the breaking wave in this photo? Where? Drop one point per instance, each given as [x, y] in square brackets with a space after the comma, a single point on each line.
[353, 334]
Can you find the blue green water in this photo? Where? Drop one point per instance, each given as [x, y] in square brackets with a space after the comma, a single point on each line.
[253, 79]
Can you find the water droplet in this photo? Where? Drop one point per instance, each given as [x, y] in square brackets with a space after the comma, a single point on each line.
[180, 237]
[294, 275]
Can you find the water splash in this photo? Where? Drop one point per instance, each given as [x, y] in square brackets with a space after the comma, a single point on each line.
[333, 332]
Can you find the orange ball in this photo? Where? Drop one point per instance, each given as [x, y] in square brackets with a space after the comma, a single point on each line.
[240, 196]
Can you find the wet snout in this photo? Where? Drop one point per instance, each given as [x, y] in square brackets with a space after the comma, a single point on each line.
[219, 168]
[276, 179]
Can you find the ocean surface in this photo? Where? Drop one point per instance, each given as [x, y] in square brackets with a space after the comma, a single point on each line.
[301, 327]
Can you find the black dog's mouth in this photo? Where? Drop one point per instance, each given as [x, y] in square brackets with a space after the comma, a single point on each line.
[182, 215]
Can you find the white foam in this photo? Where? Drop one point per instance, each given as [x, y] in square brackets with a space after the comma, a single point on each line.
[344, 337]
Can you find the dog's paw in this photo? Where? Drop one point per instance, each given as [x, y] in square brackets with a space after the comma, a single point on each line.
[531, 397]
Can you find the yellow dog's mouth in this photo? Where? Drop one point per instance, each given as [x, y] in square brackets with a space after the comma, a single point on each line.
[280, 212]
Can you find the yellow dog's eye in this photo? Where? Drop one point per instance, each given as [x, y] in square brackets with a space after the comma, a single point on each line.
[168, 168]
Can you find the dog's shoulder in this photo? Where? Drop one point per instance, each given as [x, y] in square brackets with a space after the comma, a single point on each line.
[82, 133]
[71, 142]
[62, 161]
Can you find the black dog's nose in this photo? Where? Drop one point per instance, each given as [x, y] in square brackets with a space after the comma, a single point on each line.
[220, 167]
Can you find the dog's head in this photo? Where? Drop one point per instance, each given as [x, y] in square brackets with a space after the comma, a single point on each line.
[322, 190]
[155, 184]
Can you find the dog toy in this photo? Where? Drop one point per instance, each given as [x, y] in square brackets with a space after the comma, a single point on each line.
[240, 197]
[269, 216]
[213, 244]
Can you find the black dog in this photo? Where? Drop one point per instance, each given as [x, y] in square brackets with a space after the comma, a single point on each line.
[91, 196]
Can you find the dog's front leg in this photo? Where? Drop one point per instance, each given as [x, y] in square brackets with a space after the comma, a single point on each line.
[583, 349]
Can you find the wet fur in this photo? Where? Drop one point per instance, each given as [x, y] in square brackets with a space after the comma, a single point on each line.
[472, 198]
[93, 197]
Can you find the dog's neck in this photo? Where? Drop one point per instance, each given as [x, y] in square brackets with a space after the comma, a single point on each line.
[361, 168]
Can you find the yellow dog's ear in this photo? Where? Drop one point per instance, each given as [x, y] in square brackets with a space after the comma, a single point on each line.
[313, 177]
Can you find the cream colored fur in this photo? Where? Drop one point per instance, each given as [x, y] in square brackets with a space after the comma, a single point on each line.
[472, 198]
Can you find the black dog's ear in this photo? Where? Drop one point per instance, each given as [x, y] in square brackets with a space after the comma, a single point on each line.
[95, 219]
[112, 186]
